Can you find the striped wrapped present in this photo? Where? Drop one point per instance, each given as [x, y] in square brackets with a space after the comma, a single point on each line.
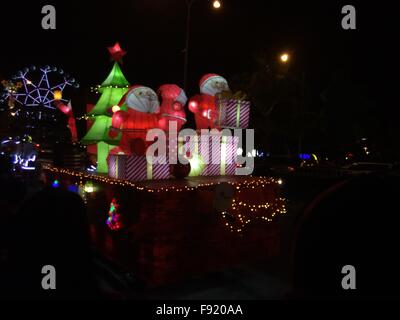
[212, 170]
[125, 167]
[204, 148]
[230, 145]
[188, 146]
[234, 113]
[230, 169]
[136, 168]
[221, 154]
[159, 169]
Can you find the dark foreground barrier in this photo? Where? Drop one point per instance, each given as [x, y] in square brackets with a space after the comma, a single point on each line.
[169, 231]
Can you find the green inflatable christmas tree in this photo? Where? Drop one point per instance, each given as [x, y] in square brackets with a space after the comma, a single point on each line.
[111, 90]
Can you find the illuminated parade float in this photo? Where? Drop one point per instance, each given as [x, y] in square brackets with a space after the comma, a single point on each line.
[174, 205]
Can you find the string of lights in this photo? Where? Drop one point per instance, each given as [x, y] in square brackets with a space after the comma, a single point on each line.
[97, 88]
[249, 183]
[86, 117]
[242, 213]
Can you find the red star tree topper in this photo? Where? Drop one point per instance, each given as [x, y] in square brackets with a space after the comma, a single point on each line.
[116, 52]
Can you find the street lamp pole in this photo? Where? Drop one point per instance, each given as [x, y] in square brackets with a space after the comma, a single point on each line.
[302, 109]
[189, 4]
[284, 59]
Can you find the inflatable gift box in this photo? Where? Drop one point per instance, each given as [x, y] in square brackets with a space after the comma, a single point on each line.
[234, 113]
[218, 153]
[230, 169]
[136, 168]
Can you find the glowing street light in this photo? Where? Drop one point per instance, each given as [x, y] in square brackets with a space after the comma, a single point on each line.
[284, 57]
[217, 4]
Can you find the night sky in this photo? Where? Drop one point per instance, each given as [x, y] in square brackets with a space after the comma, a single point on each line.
[225, 41]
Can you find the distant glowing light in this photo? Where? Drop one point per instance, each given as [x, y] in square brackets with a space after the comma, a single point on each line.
[252, 154]
[56, 184]
[57, 95]
[280, 181]
[28, 82]
[92, 168]
[285, 57]
[73, 188]
[89, 187]
[28, 168]
[314, 157]
[217, 4]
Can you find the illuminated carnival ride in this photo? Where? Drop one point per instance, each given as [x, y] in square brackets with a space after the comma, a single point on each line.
[36, 104]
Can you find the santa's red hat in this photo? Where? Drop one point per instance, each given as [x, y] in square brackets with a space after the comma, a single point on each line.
[206, 80]
[172, 91]
[123, 99]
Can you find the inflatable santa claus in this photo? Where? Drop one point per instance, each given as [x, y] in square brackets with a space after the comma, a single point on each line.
[204, 106]
[142, 114]
[172, 106]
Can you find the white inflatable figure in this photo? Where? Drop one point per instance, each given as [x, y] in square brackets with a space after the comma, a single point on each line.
[142, 99]
[213, 84]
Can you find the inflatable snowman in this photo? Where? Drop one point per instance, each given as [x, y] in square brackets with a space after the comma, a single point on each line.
[204, 106]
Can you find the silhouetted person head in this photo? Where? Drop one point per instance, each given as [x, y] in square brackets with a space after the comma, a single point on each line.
[51, 228]
[354, 223]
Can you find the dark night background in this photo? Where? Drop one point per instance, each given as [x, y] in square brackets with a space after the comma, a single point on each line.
[337, 95]
[229, 42]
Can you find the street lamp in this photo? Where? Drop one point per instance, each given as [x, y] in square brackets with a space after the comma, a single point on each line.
[217, 5]
[285, 57]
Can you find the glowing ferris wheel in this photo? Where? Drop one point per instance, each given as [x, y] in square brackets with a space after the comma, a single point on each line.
[40, 86]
